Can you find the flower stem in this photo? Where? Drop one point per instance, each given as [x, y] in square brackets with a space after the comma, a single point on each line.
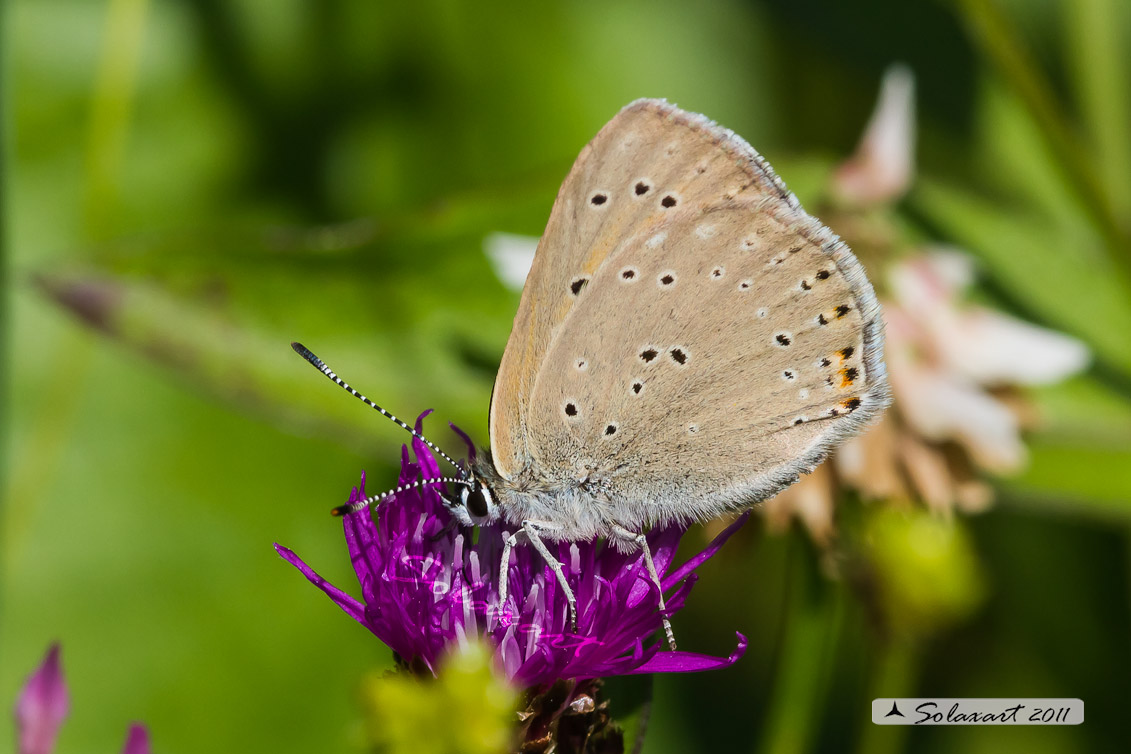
[812, 624]
[896, 671]
[630, 697]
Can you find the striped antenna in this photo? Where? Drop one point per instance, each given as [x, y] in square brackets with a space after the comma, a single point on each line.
[306, 353]
[343, 510]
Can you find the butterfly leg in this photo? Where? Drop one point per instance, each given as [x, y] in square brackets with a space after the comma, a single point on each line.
[505, 566]
[642, 542]
[530, 530]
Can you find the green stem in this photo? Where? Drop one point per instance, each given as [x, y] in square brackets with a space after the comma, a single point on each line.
[897, 671]
[114, 90]
[812, 625]
[5, 318]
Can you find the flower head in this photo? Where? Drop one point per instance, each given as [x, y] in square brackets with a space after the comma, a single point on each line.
[427, 584]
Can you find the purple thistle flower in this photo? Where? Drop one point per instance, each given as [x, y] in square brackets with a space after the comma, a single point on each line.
[426, 585]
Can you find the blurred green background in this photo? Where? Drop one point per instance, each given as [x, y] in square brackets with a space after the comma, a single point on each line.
[206, 181]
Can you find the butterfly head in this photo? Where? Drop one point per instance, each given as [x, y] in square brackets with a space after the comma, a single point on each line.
[477, 499]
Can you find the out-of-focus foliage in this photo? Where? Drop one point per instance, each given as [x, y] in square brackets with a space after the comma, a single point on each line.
[205, 181]
[469, 709]
[924, 569]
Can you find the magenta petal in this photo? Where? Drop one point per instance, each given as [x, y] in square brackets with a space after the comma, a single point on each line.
[352, 607]
[673, 578]
[689, 662]
[467, 441]
[42, 705]
[137, 740]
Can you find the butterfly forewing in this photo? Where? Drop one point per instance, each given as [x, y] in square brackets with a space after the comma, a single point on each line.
[688, 338]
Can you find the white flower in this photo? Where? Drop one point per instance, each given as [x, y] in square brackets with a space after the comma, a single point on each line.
[511, 256]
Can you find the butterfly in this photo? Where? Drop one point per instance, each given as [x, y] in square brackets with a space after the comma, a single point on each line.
[688, 342]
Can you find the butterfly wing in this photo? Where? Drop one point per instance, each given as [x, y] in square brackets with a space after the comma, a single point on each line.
[688, 339]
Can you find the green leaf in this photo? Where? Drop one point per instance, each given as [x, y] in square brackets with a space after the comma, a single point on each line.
[998, 39]
[1073, 480]
[1079, 456]
[1095, 37]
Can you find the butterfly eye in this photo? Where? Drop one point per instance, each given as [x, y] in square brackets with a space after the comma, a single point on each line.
[476, 503]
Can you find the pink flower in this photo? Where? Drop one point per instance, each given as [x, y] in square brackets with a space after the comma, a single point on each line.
[43, 704]
[137, 740]
[881, 169]
[957, 370]
[947, 358]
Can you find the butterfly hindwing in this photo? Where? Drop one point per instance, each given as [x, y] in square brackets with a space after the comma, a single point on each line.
[688, 338]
